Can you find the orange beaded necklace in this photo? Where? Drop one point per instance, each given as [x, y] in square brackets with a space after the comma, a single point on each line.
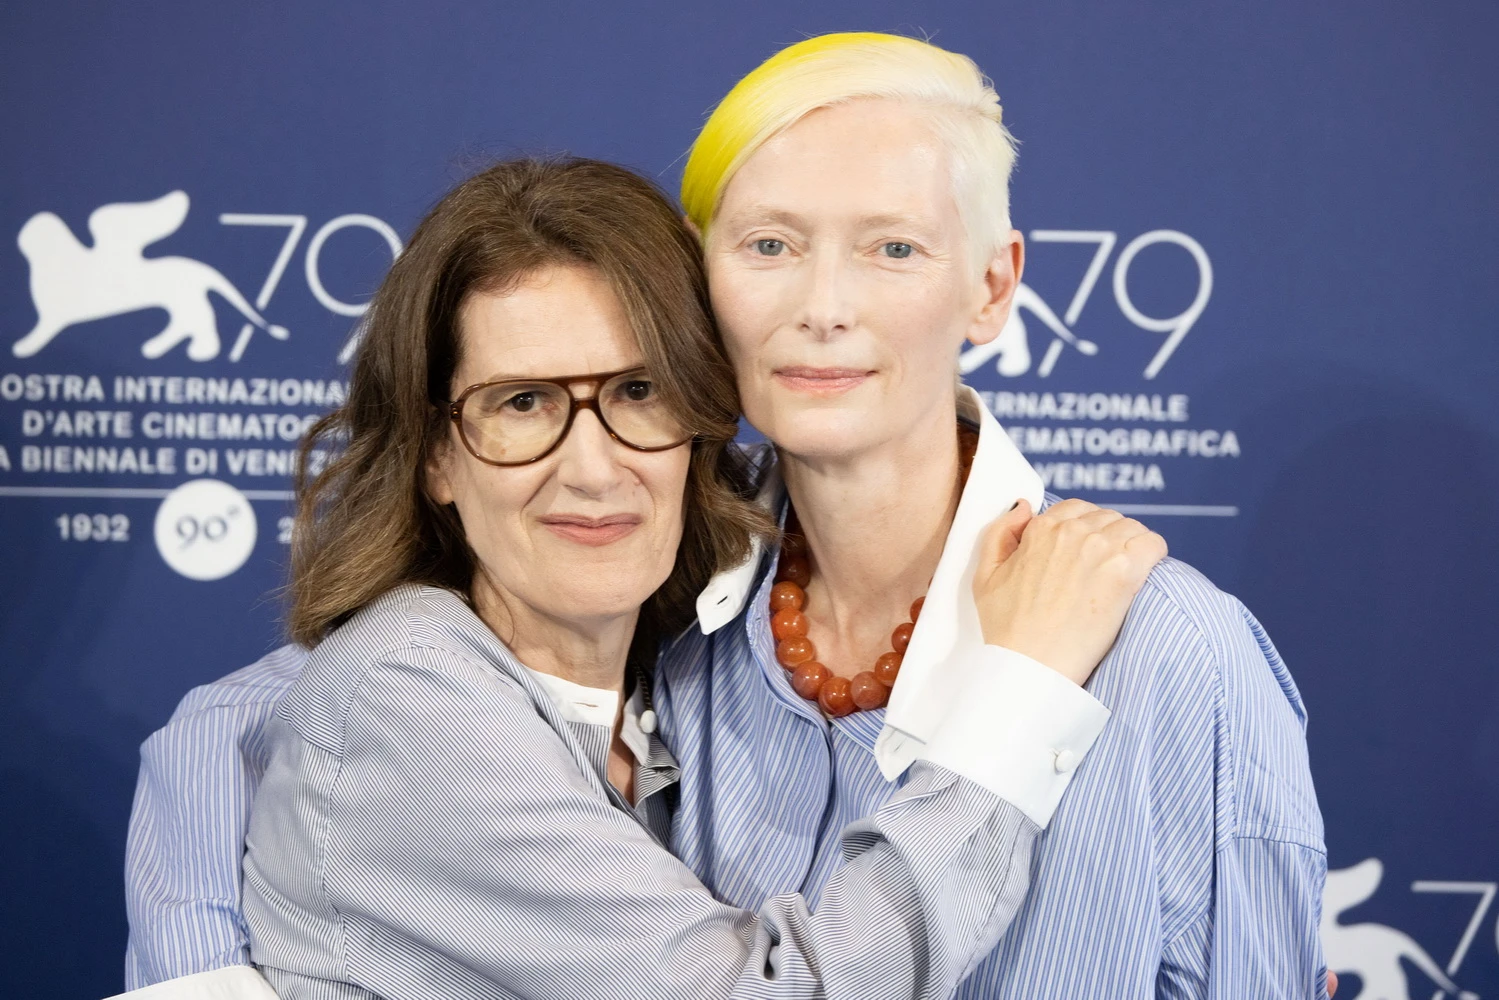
[837, 696]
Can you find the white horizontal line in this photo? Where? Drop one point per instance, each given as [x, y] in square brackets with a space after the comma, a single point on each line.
[122, 493]
[1176, 509]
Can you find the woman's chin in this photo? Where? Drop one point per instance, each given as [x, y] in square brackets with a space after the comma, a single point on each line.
[825, 435]
[588, 604]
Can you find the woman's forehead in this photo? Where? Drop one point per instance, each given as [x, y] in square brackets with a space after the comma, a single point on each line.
[866, 160]
[560, 321]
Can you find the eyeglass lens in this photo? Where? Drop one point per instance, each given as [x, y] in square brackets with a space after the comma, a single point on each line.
[519, 421]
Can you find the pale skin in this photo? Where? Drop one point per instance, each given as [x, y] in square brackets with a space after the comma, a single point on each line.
[844, 281]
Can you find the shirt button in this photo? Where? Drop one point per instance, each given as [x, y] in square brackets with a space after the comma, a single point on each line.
[1066, 761]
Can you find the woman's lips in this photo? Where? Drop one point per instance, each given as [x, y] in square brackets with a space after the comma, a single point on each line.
[591, 530]
[821, 381]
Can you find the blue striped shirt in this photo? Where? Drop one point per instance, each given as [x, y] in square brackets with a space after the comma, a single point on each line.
[433, 825]
[199, 774]
[1186, 859]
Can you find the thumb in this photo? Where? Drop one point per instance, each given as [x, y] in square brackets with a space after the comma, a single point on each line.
[1002, 537]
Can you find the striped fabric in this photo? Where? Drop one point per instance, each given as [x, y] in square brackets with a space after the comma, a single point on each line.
[1186, 859]
[187, 827]
[430, 826]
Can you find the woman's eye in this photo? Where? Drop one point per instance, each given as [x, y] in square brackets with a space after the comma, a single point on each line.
[638, 390]
[769, 248]
[897, 250]
[522, 402]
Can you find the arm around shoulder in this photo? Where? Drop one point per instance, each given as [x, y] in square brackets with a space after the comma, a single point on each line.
[462, 845]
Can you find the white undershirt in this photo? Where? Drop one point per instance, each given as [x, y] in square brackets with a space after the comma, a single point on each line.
[598, 707]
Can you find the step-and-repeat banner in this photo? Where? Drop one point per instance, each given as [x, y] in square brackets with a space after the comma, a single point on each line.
[1259, 312]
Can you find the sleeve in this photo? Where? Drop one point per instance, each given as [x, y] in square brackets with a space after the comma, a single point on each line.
[466, 847]
[197, 778]
[1020, 730]
[1260, 933]
[1260, 938]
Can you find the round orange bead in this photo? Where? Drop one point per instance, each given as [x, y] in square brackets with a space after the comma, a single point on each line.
[788, 623]
[793, 652]
[835, 697]
[887, 669]
[807, 679]
[916, 608]
[793, 544]
[787, 595]
[796, 569]
[867, 692]
[901, 637]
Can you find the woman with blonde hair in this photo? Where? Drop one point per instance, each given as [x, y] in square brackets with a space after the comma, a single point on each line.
[852, 198]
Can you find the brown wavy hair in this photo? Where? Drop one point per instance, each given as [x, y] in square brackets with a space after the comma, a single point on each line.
[365, 522]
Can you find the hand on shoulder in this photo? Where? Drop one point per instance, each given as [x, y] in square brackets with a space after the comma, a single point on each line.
[1056, 586]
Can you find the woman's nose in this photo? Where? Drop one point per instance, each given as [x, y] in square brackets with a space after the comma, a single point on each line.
[589, 462]
[827, 306]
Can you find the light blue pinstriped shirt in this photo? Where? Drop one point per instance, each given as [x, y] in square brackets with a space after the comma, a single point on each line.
[1185, 861]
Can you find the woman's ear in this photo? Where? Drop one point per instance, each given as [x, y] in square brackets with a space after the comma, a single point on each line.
[692, 227]
[438, 481]
[1000, 279]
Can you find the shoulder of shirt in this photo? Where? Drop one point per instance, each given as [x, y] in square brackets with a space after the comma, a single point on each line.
[428, 628]
[1259, 717]
[261, 683]
[1178, 601]
[1177, 597]
[1180, 610]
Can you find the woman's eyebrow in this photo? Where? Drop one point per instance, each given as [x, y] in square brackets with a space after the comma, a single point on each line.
[757, 215]
[893, 220]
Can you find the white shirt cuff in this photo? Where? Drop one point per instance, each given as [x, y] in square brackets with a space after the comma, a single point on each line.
[233, 982]
[1019, 729]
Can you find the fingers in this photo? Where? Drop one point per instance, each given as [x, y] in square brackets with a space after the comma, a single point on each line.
[1066, 510]
[1136, 550]
[1123, 529]
[1002, 538]
[1146, 550]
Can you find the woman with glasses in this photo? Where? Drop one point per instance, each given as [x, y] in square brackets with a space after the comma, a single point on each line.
[466, 796]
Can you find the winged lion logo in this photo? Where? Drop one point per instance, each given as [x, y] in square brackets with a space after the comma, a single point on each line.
[1373, 952]
[72, 283]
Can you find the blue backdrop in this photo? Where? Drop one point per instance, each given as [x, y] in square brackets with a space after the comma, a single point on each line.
[1260, 312]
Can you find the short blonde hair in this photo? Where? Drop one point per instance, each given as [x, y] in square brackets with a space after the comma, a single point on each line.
[846, 66]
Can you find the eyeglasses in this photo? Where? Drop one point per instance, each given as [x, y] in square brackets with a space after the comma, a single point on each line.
[518, 421]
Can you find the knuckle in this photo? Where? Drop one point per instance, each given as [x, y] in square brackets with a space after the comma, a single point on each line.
[1074, 530]
[1071, 507]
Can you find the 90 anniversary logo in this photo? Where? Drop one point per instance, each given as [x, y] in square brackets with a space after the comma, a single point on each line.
[205, 528]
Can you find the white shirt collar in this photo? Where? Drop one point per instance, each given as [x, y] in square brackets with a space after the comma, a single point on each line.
[931, 673]
[723, 598]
